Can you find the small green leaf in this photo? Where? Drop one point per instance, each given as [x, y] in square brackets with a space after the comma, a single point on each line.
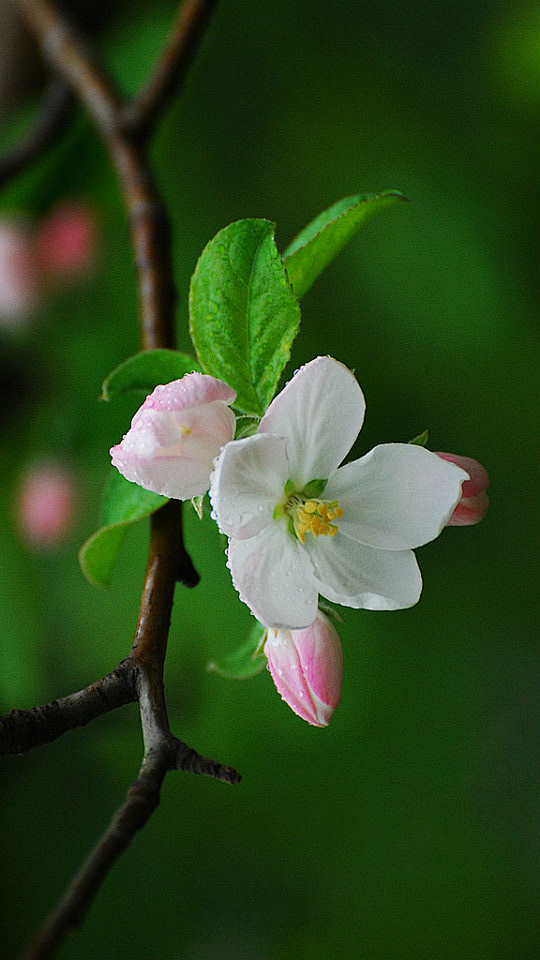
[330, 612]
[421, 439]
[246, 427]
[145, 370]
[243, 313]
[314, 488]
[245, 662]
[318, 243]
[123, 504]
[198, 505]
[98, 555]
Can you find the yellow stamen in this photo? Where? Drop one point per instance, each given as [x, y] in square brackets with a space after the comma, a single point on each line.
[313, 516]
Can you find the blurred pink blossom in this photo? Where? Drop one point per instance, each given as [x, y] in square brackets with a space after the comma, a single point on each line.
[66, 241]
[46, 505]
[19, 274]
[307, 669]
[474, 500]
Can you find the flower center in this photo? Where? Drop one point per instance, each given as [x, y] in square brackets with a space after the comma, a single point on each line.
[313, 516]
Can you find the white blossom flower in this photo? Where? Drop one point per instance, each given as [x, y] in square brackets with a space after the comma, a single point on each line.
[175, 436]
[299, 525]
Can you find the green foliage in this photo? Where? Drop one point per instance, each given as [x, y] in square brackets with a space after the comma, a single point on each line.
[145, 370]
[243, 313]
[245, 662]
[318, 243]
[123, 504]
[421, 440]
[314, 488]
[246, 427]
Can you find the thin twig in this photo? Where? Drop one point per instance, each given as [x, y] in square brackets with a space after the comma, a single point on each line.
[145, 109]
[21, 730]
[141, 801]
[54, 114]
[67, 52]
[168, 561]
[163, 751]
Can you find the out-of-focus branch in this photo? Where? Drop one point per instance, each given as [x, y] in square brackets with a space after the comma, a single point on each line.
[123, 129]
[145, 109]
[68, 53]
[50, 122]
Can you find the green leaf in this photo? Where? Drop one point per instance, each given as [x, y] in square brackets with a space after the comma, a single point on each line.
[314, 488]
[123, 504]
[246, 427]
[198, 505]
[421, 439]
[243, 313]
[245, 662]
[318, 243]
[145, 370]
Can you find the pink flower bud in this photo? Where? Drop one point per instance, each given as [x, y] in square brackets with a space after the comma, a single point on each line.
[176, 435]
[66, 242]
[46, 506]
[19, 276]
[307, 669]
[474, 500]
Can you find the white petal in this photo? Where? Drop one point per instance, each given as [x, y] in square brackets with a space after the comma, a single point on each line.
[274, 578]
[396, 497]
[247, 484]
[320, 411]
[358, 576]
[179, 479]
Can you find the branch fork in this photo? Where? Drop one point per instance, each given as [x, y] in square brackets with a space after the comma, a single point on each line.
[125, 127]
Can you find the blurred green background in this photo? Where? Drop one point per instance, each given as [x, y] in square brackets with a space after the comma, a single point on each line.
[407, 829]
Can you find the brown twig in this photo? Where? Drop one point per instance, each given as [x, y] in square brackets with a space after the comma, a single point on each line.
[68, 54]
[50, 122]
[145, 109]
[124, 129]
[141, 801]
[21, 730]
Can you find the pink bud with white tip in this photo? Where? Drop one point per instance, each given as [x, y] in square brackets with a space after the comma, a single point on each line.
[176, 435]
[307, 669]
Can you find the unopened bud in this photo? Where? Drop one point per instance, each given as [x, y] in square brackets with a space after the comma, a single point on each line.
[474, 500]
[307, 669]
[175, 436]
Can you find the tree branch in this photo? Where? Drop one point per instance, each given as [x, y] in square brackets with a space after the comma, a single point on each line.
[123, 129]
[145, 109]
[68, 54]
[21, 730]
[141, 801]
[50, 122]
